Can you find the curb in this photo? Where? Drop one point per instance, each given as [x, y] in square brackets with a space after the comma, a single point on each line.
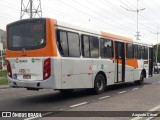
[4, 86]
[1, 78]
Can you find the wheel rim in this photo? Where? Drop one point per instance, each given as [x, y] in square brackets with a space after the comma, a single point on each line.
[99, 84]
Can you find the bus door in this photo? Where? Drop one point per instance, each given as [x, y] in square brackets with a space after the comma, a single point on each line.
[151, 62]
[120, 62]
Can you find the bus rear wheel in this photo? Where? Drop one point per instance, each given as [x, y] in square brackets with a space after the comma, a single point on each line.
[99, 84]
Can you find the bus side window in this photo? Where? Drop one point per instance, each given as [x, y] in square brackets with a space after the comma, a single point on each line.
[135, 51]
[143, 52]
[146, 53]
[73, 43]
[139, 52]
[85, 46]
[106, 48]
[94, 47]
[129, 50]
[68, 43]
[63, 43]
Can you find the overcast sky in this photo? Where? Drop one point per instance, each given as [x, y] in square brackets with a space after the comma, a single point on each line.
[106, 15]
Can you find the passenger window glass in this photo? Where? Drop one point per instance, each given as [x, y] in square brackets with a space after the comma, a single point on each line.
[85, 46]
[63, 44]
[146, 53]
[73, 42]
[129, 50]
[135, 51]
[106, 50]
[143, 52]
[94, 47]
[68, 43]
[139, 52]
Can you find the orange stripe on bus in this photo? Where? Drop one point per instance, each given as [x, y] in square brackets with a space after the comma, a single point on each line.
[116, 37]
[129, 62]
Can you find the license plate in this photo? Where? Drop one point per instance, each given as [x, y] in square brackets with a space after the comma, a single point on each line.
[26, 76]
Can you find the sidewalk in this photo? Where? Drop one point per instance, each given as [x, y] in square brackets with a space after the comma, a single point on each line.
[4, 86]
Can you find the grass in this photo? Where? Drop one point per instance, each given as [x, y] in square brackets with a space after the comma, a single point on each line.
[3, 73]
[3, 82]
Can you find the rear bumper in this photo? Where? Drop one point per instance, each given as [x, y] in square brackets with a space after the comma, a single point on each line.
[39, 84]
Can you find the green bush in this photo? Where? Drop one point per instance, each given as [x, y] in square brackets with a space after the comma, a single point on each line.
[3, 73]
[3, 82]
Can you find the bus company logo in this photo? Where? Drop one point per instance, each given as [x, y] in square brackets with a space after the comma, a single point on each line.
[21, 61]
[102, 66]
[37, 60]
[17, 60]
[33, 60]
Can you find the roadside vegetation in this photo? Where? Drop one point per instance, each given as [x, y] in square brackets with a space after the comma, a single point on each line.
[3, 73]
[3, 77]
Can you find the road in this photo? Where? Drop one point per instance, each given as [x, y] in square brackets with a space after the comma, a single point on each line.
[124, 97]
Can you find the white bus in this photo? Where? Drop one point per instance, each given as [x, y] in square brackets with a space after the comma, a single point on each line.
[46, 53]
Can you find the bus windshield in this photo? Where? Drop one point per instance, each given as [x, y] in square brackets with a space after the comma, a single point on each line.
[27, 35]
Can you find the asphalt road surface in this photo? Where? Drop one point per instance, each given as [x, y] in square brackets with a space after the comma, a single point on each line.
[124, 97]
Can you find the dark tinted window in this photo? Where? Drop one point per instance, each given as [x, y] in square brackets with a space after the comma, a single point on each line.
[63, 43]
[94, 47]
[146, 53]
[68, 43]
[129, 50]
[143, 52]
[139, 52]
[90, 46]
[135, 51]
[26, 34]
[106, 48]
[73, 42]
[85, 46]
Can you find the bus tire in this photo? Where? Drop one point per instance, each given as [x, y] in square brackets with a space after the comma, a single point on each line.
[140, 82]
[99, 84]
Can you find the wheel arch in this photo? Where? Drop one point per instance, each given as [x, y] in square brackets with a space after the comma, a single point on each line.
[144, 73]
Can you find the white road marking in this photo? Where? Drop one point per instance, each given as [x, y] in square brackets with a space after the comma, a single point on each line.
[153, 109]
[135, 88]
[104, 97]
[122, 92]
[153, 83]
[79, 104]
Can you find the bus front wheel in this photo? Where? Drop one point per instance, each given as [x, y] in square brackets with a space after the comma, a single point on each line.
[99, 84]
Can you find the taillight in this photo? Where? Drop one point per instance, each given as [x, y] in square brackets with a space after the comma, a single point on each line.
[47, 69]
[9, 70]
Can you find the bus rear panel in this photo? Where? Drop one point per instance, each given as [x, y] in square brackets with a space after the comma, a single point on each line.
[30, 49]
